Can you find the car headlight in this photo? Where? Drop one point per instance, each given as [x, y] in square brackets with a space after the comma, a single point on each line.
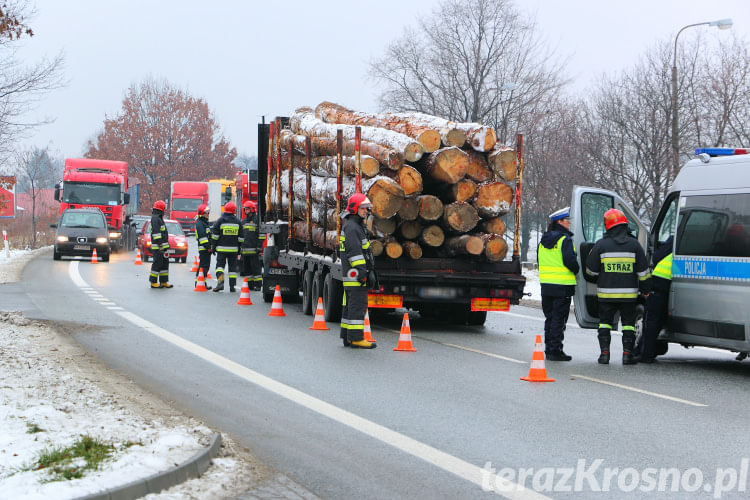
[62, 239]
[180, 243]
[101, 239]
[113, 235]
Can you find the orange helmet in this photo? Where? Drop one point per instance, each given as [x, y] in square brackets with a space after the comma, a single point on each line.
[356, 201]
[160, 205]
[203, 209]
[251, 205]
[230, 208]
[614, 217]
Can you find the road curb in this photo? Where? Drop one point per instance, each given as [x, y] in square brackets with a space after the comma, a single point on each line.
[160, 481]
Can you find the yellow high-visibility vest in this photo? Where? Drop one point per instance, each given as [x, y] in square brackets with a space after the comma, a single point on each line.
[552, 271]
[663, 268]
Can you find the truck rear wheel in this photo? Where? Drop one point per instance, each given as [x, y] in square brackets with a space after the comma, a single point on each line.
[332, 297]
[307, 290]
[476, 318]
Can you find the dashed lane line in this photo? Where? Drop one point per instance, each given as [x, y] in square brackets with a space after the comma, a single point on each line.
[440, 459]
[641, 391]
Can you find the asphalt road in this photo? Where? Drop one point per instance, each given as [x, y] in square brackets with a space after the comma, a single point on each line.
[381, 424]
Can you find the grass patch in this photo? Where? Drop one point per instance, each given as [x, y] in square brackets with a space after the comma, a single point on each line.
[127, 444]
[72, 462]
[33, 428]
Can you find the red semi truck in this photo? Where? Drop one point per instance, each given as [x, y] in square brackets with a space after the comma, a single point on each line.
[246, 187]
[102, 184]
[186, 197]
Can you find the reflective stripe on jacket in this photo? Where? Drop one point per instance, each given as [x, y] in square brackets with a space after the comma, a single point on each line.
[619, 264]
[226, 234]
[353, 246]
[159, 234]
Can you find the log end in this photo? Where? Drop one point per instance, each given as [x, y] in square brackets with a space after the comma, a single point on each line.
[495, 249]
[430, 140]
[474, 245]
[453, 137]
[370, 166]
[413, 152]
[484, 139]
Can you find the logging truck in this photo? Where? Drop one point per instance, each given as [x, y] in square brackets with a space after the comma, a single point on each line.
[435, 231]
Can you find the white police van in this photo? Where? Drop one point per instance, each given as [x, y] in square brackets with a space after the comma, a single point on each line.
[708, 212]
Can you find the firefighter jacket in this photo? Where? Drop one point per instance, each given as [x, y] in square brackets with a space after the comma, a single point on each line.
[662, 274]
[226, 234]
[618, 265]
[203, 233]
[558, 263]
[355, 253]
[251, 243]
[159, 234]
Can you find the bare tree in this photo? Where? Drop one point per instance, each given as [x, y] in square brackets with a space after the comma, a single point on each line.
[476, 61]
[22, 85]
[246, 162]
[36, 170]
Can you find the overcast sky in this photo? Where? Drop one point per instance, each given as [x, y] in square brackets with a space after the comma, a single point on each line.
[253, 58]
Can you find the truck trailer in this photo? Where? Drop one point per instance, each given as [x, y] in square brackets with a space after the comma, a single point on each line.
[459, 288]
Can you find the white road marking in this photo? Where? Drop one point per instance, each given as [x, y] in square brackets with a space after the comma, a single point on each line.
[440, 459]
[641, 391]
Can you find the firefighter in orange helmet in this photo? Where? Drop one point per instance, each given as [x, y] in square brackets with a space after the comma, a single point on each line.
[618, 265]
[159, 276]
[250, 263]
[226, 240]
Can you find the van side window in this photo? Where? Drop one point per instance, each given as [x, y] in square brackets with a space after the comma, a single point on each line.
[667, 227]
[715, 226]
[632, 226]
[593, 206]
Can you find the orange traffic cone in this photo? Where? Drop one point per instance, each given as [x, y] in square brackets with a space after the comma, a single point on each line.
[537, 371]
[94, 260]
[276, 307]
[195, 264]
[319, 323]
[245, 295]
[208, 275]
[404, 340]
[138, 260]
[200, 285]
[368, 331]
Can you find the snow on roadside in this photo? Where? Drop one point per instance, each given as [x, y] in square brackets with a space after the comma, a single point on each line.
[50, 382]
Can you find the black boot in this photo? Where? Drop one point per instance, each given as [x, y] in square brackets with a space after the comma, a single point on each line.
[628, 343]
[604, 341]
[558, 355]
[345, 338]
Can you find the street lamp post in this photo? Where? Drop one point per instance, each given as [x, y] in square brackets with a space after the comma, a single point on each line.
[722, 24]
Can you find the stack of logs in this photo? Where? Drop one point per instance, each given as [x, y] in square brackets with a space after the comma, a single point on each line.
[438, 188]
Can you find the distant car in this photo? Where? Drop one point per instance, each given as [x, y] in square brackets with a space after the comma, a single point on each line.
[79, 232]
[138, 221]
[178, 245]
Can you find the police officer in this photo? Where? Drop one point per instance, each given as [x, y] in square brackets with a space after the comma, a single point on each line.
[250, 265]
[203, 235]
[619, 267]
[357, 262]
[558, 266]
[226, 239]
[656, 302]
[159, 276]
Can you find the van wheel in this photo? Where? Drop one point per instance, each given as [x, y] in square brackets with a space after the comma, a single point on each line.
[332, 297]
[662, 346]
[56, 255]
[640, 313]
[105, 258]
[307, 288]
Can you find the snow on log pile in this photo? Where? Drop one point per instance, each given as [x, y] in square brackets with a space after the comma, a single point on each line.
[439, 188]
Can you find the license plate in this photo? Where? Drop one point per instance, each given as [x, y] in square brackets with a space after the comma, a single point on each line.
[81, 247]
[436, 292]
[276, 270]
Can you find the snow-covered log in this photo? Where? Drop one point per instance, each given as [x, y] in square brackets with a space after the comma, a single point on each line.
[333, 113]
[493, 199]
[326, 146]
[304, 121]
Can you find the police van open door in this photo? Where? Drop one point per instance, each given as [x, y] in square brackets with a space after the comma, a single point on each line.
[587, 209]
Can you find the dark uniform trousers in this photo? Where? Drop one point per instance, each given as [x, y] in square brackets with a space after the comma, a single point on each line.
[227, 261]
[607, 312]
[159, 268]
[556, 312]
[656, 312]
[204, 262]
[352, 316]
[252, 269]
